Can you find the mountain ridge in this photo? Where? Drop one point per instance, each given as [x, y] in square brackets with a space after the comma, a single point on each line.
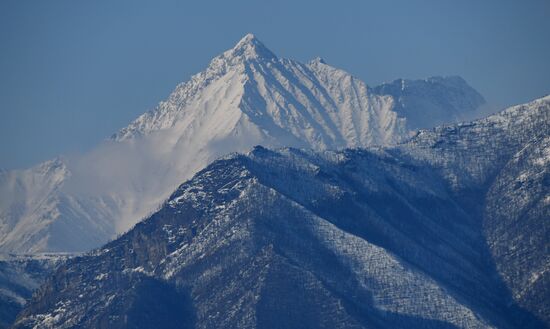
[394, 237]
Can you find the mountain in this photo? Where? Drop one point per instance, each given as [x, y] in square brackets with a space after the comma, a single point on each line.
[441, 100]
[247, 96]
[515, 180]
[37, 213]
[448, 230]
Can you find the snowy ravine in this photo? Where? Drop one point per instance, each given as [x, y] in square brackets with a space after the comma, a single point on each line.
[247, 96]
[448, 230]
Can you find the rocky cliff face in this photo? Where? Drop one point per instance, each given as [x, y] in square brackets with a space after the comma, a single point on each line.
[448, 230]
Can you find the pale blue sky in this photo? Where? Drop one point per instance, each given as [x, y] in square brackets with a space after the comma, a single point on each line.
[73, 72]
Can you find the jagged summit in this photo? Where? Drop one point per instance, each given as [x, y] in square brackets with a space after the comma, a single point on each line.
[250, 47]
[249, 40]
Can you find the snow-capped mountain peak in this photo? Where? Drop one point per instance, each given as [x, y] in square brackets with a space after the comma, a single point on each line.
[250, 47]
[246, 96]
[336, 108]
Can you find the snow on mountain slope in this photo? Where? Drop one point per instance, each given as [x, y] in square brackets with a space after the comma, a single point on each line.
[242, 253]
[26, 201]
[37, 214]
[462, 144]
[434, 101]
[505, 157]
[410, 236]
[247, 96]
[311, 105]
[517, 224]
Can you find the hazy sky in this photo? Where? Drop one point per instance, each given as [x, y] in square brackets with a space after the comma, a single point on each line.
[74, 72]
